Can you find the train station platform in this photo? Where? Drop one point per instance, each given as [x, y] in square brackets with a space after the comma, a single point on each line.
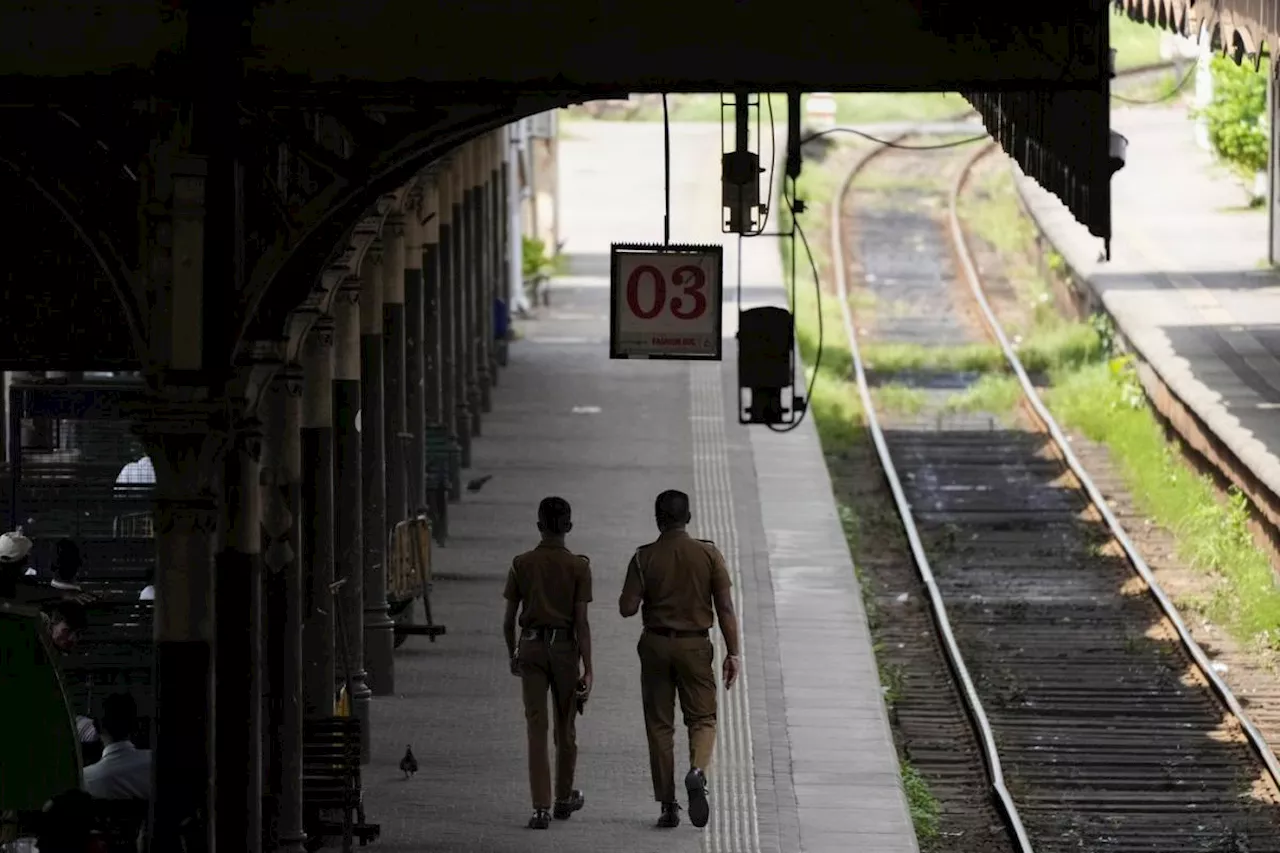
[1188, 286]
[804, 758]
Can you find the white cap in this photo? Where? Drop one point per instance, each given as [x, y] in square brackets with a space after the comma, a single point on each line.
[14, 546]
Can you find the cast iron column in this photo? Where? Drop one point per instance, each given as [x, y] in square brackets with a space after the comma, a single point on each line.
[484, 261]
[317, 518]
[185, 443]
[348, 490]
[448, 290]
[395, 435]
[475, 274]
[238, 652]
[414, 386]
[497, 248]
[281, 481]
[458, 299]
[379, 636]
[432, 323]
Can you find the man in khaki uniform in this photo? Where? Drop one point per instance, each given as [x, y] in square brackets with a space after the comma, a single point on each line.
[682, 584]
[551, 588]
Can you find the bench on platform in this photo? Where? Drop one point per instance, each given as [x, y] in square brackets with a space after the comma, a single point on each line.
[331, 783]
[443, 478]
[118, 822]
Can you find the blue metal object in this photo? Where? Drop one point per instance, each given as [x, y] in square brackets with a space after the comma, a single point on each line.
[501, 319]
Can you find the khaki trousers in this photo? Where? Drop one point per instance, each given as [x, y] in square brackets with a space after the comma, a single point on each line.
[550, 666]
[671, 666]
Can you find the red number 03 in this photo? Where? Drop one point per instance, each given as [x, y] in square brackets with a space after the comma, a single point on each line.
[690, 304]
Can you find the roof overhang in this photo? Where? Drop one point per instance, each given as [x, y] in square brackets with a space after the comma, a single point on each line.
[1239, 27]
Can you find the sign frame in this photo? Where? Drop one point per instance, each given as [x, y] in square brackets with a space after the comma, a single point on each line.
[713, 252]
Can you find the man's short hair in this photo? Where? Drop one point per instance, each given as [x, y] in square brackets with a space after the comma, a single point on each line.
[119, 716]
[71, 612]
[671, 507]
[554, 515]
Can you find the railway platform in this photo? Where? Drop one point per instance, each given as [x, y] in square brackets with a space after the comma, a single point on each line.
[804, 759]
[1189, 289]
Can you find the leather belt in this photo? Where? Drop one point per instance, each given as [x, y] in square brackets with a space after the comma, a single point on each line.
[673, 633]
[549, 635]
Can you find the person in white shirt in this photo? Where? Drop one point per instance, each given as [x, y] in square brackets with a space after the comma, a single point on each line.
[124, 772]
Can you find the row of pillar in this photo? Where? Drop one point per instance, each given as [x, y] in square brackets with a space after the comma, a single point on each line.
[299, 500]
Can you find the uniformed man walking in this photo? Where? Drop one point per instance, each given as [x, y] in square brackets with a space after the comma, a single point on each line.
[680, 581]
[551, 588]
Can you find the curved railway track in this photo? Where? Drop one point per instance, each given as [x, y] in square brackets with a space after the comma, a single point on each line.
[1052, 696]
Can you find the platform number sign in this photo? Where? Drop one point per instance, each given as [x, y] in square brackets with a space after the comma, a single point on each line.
[666, 301]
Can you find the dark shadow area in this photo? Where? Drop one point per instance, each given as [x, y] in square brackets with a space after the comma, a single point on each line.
[61, 310]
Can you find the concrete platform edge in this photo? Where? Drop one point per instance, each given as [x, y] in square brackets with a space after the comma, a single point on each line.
[812, 573]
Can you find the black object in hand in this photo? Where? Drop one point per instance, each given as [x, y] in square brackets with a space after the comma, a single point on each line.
[581, 696]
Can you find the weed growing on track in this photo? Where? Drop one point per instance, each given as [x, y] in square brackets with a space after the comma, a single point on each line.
[900, 399]
[991, 393]
[921, 802]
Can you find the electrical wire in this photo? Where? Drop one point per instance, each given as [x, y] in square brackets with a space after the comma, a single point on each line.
[955, 143]
[817, 289]
[1186, 78]
[773, 168]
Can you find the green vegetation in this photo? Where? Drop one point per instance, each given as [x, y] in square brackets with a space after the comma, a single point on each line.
[902, 399]
[1106, 403]
[1135, 44]
[1236, 116]
[920, 800]
[992, 392]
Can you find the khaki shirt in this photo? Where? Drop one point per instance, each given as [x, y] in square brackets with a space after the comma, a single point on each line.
[677, 577]
[548, 581]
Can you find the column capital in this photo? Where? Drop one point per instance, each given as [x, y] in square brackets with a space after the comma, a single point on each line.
[350, 288]
[290, 377]
[393, 226]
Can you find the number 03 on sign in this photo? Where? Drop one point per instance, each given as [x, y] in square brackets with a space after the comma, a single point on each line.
[666, 301]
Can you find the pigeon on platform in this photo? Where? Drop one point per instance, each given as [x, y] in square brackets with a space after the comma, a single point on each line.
[408, 764]
[478, 483]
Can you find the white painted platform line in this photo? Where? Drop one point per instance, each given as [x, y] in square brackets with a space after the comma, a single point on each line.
[733, 827]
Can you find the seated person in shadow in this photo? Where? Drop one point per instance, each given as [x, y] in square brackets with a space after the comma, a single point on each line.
[124, 772]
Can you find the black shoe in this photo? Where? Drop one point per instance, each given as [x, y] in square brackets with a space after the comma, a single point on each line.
[670, 817]
[564, 808]
[695, 782]
[541, 819]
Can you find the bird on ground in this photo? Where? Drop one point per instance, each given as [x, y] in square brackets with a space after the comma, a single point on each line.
[478, 483]
[408, 764]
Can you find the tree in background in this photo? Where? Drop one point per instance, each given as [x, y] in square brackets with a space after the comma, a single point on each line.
[1237, 116]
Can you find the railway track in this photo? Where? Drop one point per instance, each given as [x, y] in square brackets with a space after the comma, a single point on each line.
[1050, 694]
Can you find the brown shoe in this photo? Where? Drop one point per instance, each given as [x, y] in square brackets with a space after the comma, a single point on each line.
[670, 817]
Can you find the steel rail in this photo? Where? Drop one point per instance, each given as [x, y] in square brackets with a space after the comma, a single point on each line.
[977, 714]
[1032, 397]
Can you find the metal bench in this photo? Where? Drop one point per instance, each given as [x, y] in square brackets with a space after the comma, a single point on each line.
[443, 478]
[331, 783]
